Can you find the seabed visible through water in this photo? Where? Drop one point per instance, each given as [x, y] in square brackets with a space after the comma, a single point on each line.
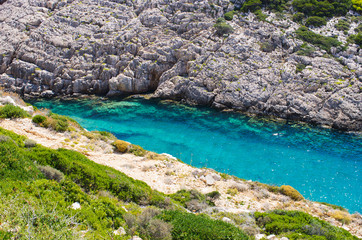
[323, 164]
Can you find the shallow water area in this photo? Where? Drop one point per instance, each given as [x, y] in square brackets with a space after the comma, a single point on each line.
[323, 164]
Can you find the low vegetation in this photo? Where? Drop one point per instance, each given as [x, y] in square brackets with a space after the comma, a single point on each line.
[299, 225]
[222, 28]
[56, 122]
[325, 43]
[11, 111]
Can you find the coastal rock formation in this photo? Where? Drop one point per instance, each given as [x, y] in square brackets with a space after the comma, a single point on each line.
[170, 48]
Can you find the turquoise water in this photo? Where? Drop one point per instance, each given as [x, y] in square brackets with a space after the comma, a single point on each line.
[324, 165]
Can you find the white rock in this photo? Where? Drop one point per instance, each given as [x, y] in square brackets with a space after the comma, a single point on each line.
[271, 237]
[76, 206]
[120, 231]
[7, 100]
[216, 177]
[135, 238]
[209, 180]
[284, 238]
[259, 236]
[228, 220]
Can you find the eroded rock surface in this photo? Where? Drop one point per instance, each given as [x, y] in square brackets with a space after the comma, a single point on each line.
[170, 48]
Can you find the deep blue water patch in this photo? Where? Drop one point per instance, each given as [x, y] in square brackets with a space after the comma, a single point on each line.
[323, 164]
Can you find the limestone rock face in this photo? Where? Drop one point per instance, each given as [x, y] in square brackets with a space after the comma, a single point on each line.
[169, 48]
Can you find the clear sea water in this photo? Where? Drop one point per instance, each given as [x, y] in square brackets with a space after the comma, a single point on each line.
[323, 164]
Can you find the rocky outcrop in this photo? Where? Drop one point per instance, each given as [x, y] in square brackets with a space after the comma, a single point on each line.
[170, 48]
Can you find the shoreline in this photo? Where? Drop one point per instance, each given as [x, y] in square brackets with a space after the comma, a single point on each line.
[149, 97]
[168, 175]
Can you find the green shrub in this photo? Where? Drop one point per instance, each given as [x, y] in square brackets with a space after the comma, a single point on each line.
[229, 15]
[358, 39]
[323, 42]
[359, 28]
[11, 111]
[306, 50]
[315, 21]
[121, 146]
[267, 47]
[39, 119]
[137, 150]
[303, 225]
[342, 25]
[298, 17]
[201, 227]
[322, 8]
[300, 67]
[260, 15]
[14, 165]
[291, 192]
[357, 5]
[222, 27]
[251, 5]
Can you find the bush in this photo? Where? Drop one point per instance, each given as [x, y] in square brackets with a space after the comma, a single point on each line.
[29, 143]
[158, 229]
[298, 17]
[342, 216]
[137, 150]
[121, 146]
[357, 5]
[306, 50]
[51, 173]
[222, 27]
[201, 227]
[38, 119]
[11, 111]
[342, 25]
[300, 67]
[323, 42]
[299, 225]
[358, 39]
[267, 47]
[322, 8]
[315, 21]
[251, 5]
[291, 192]
[260, 15]
[229, 15]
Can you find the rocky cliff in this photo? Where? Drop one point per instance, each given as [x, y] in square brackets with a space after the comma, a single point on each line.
[171, 48]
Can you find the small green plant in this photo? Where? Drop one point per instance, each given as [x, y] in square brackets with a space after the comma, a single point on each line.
[137, 150]
[11, 111]
[39, 119]
[298, 17]
[300, 67]
[306, 50]
[229, 15]
[222, 28]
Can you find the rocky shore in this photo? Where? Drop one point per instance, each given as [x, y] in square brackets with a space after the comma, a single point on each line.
[171, 49]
